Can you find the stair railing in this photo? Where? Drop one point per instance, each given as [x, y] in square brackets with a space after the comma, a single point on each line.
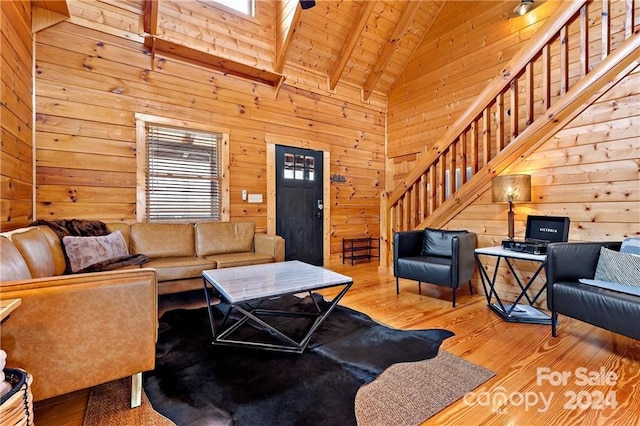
[521, 94]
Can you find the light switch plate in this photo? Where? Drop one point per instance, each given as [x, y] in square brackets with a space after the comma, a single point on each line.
[255, 198]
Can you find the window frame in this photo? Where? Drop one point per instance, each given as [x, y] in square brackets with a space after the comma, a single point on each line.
[230, 9]
[144, 120]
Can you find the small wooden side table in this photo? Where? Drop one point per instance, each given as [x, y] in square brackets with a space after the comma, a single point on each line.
[7, 306]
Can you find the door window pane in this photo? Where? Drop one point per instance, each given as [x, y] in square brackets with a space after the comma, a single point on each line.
[288, 166]
[299, 167]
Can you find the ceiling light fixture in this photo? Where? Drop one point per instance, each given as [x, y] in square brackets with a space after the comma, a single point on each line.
[525, 6]
[307, 4]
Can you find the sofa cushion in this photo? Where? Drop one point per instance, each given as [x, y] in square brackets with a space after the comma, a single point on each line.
[437, 242]
[176, 268]
[34, 247]
[86, 251]
[224, 237]
[156, 240]
[57, 251]
[230, 260]
[12, 265]
[621, 288]
[623, 268]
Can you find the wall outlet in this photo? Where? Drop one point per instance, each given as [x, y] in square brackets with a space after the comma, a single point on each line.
[255, 198]
[244, 195]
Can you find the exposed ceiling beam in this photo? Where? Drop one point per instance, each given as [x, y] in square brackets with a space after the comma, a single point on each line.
[281, 55]
[150, 17]
[406, 20]
[45, 14]
[347, 48]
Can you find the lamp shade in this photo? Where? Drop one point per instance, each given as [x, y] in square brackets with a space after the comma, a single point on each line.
[510, 188]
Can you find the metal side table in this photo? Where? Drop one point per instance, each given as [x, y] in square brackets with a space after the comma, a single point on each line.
[515, 311]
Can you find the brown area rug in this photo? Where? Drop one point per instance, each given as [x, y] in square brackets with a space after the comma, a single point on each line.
[411, 392]
[109, 405]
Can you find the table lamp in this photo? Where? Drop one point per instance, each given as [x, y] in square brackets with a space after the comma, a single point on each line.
[510, 188]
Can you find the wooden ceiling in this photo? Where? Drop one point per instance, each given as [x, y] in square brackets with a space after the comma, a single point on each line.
[364, 43]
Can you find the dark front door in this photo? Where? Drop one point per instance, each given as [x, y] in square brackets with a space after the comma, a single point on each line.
[299, 204]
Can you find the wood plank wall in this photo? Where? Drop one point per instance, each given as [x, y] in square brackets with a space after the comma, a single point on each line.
[220, 31]
[589, 171]
[91, 82]
[16, 157]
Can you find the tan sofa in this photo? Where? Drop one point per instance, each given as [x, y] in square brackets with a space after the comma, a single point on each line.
[76, 331]
[179, 252]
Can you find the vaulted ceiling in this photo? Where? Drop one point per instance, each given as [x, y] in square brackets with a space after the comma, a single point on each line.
[362, 43]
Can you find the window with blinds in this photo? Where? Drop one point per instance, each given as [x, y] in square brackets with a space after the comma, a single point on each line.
[183, 179]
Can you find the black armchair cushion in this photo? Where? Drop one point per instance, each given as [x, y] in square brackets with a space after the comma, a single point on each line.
[438, 242]
[432, 269]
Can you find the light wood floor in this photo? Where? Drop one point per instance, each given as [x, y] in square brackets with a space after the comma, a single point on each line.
[528, 362]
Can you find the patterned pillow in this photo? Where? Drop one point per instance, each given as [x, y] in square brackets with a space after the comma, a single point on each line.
[623, 268]
[631, 245]
[86, 251]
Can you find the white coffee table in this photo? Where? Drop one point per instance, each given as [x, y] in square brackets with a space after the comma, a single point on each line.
[245, 288]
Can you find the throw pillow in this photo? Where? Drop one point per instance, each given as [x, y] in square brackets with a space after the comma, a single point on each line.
[86, 251]
[630, 245]
[623, 268]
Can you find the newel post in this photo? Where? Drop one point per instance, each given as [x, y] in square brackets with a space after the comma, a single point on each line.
[385, 230]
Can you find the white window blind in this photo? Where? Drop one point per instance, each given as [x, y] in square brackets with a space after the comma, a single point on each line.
[183, 177]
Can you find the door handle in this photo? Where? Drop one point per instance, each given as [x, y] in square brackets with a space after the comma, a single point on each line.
[320, 205]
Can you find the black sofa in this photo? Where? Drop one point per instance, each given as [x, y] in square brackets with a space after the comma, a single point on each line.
[567, 263]
[436, 256]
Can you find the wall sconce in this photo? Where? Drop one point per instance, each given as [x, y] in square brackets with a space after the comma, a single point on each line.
[510, 188]
[525, 6]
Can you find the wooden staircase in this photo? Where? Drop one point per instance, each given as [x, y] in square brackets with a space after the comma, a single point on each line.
[557, 74]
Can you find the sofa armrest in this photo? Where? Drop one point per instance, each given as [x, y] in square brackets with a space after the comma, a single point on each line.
[76, 331]
[464, 264]
[272, 245]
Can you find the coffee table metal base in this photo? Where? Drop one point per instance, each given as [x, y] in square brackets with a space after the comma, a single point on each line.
[251, 311]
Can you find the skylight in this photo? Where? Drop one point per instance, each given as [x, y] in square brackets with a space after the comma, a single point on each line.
[242, 6]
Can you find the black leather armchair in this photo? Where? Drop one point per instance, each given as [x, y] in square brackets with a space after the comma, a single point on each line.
[608, 309]
[434, 256]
